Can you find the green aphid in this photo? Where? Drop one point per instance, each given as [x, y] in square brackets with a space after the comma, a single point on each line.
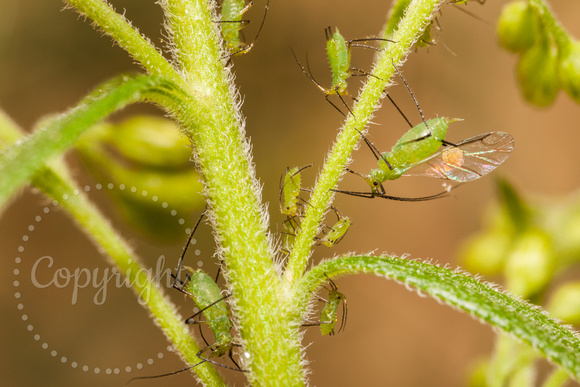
[232, 25]
[338, 51]
[423, 151]
[337, 231]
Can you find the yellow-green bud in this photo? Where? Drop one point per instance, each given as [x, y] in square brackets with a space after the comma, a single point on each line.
[517, 27]
[530, 264]
[570, 70]
[538, 73]
[565, 303]
[151, 141]
[486, 253]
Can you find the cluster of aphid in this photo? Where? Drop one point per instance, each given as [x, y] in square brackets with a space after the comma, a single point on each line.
[214, 311]
[292, 205]
[423, 150]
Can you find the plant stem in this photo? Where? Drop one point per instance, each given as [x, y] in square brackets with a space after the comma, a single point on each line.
[558, 31]
[120, 29]
[221, 151]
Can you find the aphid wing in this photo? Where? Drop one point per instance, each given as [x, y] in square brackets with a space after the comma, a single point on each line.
[469, 160]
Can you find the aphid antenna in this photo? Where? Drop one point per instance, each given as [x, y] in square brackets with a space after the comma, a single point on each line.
[320, 87]
[444, 142]
[414, 99]
[354, 173]
[179, 265]
[399, 110]
[308, 73]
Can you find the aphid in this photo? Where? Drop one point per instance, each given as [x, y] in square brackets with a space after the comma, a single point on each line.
[209, 299]
[418, 153]
[232, 24]
[338, 51]
[290, 186]
[466, 1]
[337, 231]
[329, 314]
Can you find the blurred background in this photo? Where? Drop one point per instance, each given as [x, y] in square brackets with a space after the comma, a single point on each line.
[50, 58]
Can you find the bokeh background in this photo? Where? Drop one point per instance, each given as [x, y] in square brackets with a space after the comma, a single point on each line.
[49, 59]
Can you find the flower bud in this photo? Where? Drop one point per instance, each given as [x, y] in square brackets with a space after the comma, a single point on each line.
[530, 264]
[565, 303]
[150, 141]
[570, 70]
[538, 73]
[517, 27]
[485, 253]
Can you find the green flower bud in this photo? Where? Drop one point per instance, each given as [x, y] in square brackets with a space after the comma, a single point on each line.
[143, 207]
[150, 157]
[150, 142]
[538, 73]
[530, 264]
[570, 70]
[565, 303]
[486, 253]
[517, 27]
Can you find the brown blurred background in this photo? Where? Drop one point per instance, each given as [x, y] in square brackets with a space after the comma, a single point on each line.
[49, 58]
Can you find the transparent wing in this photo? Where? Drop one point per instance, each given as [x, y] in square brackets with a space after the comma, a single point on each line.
[469, 160]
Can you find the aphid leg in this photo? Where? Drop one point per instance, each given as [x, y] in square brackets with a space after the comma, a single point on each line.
[352, 42]
[372, 195]
[180, 264]
[167, 374]
[354, 172]
[343, 299]
[210, 347]
[248, 47]
[191, 320]
[327, 97]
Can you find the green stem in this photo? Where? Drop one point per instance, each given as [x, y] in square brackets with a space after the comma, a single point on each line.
[418, 16]
[521, 320]
[233, 194]
[561, 36]
[120, 29]
[56, 183]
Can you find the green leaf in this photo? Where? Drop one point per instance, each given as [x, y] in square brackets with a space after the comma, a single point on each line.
[485, 301]
[19, 162]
